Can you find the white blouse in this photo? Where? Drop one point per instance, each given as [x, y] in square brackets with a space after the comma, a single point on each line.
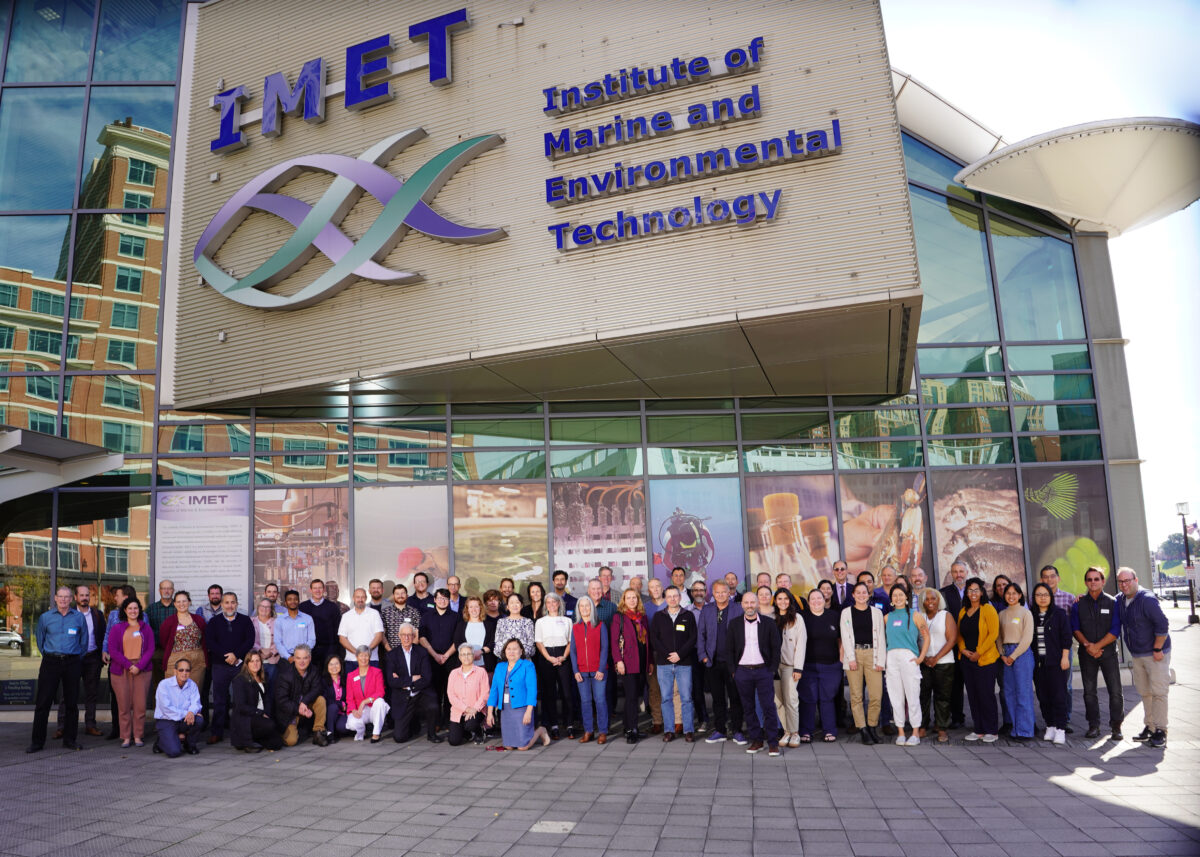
[552, 631]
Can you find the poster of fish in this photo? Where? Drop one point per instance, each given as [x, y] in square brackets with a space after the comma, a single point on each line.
[1067, 522]
[977, 521]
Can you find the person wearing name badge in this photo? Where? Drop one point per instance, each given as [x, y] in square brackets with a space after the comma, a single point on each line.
[177, 718]
[821, 678]
[513, 696]
[1051, 649]
[559, 580]
[978, 629]
[1016, 636]
[181, 636]
[794, 642]
[364, 695]
[673, 643]
[937, 670]
[864, 655]
[467, 691]
[61, 634]
[131, 648]
[589, 659]
[552, 637]
[228, 638]
[299, 698]
[1097, 627]
[907, 642]
[293, 628]
[264, 637]
[252, 724]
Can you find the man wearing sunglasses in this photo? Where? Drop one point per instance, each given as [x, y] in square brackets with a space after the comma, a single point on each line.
[1097, 627]
[177, 713]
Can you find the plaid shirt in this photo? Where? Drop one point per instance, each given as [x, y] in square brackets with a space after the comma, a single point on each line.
[1065, 600]
[157, 613]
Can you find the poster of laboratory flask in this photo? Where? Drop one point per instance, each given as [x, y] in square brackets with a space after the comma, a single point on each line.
[792, 528]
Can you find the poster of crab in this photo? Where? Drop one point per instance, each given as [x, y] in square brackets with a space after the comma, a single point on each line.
[885, 522]
[1067, 523]
[697, 525]
[977, 521]
[599, 523]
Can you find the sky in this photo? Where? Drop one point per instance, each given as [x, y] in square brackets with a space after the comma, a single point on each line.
[1024, 67]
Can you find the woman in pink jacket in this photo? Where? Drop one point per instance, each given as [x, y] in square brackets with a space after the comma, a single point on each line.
[467, 691]
[130, 647]
[365, 698]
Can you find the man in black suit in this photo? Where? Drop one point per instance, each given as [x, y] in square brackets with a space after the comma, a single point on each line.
[92, 663]
[953, 593]
[410, 676]
[753, 652]
[843, 596]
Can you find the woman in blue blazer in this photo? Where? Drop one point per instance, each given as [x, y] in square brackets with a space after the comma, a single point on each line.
[514, 695]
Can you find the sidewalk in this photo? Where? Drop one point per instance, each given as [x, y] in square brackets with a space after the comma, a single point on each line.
[825, 800]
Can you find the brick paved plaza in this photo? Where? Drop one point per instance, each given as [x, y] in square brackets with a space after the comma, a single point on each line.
[1004, 800]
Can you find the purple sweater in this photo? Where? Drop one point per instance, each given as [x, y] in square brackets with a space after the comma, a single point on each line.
[116, 648]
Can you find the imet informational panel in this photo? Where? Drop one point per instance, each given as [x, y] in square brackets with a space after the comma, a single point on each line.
[379, 190]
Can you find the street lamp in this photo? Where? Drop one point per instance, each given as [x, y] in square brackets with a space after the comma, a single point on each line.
[1182, 510]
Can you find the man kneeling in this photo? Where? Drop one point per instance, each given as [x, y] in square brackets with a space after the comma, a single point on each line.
[299, 701]
[177, 712]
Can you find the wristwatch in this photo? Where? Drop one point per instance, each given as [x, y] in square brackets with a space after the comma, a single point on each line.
[1158, 650]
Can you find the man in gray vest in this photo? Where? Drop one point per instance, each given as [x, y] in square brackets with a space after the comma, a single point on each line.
[1096, 626]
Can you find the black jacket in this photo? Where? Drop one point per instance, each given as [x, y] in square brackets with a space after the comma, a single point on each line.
[222, 635]
[1058, 632]
[954, 601]
[291, 689]
[489, 639]
[244, 696]
[769, 642]
[326, 618]
[839, 605]
[397, 674]
[666, 636]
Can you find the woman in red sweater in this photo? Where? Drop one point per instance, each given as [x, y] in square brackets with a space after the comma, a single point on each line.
[589, 654]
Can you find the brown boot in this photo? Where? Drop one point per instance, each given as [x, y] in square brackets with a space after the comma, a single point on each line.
[602, 738]
[587, 736]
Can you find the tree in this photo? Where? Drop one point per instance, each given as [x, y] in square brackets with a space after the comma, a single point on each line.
[1172, 549]
[29, 588]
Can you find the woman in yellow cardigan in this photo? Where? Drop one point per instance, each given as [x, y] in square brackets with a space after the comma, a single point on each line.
[978, 629]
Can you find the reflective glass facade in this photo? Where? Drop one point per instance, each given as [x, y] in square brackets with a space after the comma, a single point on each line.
[994, 456]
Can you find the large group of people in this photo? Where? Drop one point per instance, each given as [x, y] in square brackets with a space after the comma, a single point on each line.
[764, 668]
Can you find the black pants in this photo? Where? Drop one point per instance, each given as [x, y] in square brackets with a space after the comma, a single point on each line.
[222, 676]
[1050, 681]
[554, 688]
[1111, 669]
[260, 729]
[465, 728]
[405, 708]
[980, 685]
[699, 706]
[441, 678]
[937, 684]
[633, 686]
[957, 713]
[205, 690]
[168, 735]
[726, 701]
[90, 667]
[611, 690]
[57, 670]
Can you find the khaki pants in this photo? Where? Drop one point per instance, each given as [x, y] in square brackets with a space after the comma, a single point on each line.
[787, 701]
[291, 735]
[130, 691]
[1152, 679]
[865, 672]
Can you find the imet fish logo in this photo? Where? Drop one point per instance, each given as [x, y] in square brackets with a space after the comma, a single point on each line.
[1057, 496]
[405, 205]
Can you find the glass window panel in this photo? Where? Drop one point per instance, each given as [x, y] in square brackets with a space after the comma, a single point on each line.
[100, 556]
[39, 148]
[966, 420]
[880, 423]
[909, 398]
[666, 461]
[1056, 447]
[409, 434]
[591, 463]
[402, 466]
[1039, 290]
[472, 408]
[1055, 417]
[187, 439]
[1033, 358]
[499, 464]
[689, 404]
[1067, 522]
[137, 40]
[953, 391]
[597, 430]
[788, 457]
[690, 429]
[44, 422]
[300, 435]
[784, 402]
[50, 41]
[879, 453]
[1034, 388]
[193, 416]
[112, 411]
[25, 576]
[593, 407]
[930, 167]
[1032, 215]
[498, 433]
[951, 452]
[31, 282]
[111, 175]
[134, 473]
[383, 411]
[203, 438]
[784, 426]
[952, 254]
[940, 361]
[203, 471]
[288, 469]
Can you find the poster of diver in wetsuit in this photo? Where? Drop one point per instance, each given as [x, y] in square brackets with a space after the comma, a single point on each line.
[697, 525]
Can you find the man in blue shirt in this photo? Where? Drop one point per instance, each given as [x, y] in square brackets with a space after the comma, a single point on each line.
[177, 713]
[1145, 628]
[61, 636]
[293, 628]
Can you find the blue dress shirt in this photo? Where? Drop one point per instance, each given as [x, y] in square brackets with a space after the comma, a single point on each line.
[290, 633]
[61, 635]
[172, 702]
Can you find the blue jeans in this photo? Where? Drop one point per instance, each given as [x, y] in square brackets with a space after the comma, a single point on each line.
[595, 690]
[671, 676]
[1018, 691]
[168, 735]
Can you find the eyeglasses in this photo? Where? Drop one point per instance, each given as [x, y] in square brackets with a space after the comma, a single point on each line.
[182, 670]
[1093, 579]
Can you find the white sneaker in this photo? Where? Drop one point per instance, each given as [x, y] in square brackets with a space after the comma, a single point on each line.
[901, 740]
[914, 741]
[973, 736]
[990, 739]
[1060, 736]
[1049, 736]
[794, 741]
[358, 737]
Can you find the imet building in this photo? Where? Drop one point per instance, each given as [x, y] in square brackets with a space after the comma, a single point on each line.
[494, 290]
